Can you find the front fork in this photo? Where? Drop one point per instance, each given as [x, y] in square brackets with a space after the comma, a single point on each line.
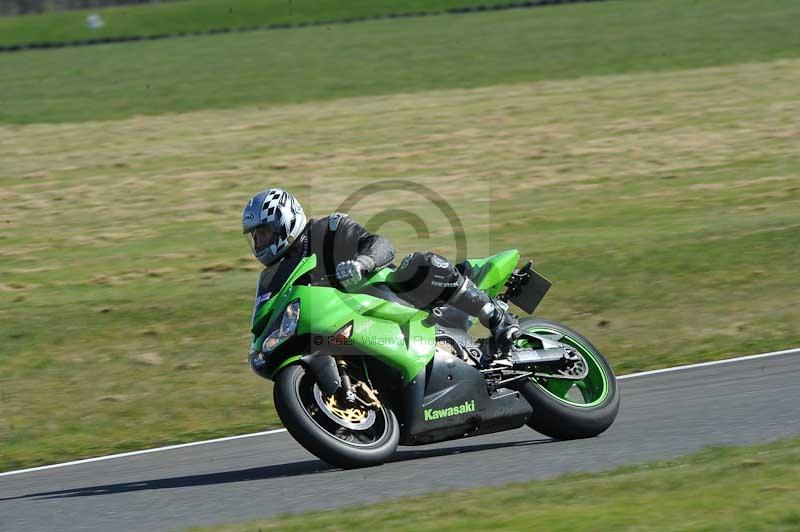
[347, 386]
[333, 378]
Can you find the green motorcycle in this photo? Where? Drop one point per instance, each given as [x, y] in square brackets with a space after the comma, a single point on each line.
[358, 373]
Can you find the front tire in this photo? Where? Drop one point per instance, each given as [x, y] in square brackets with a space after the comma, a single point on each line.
[557, 412]
[342, 444]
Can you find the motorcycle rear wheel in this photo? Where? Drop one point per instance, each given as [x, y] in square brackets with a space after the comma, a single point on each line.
[340, 444]
[568, 410]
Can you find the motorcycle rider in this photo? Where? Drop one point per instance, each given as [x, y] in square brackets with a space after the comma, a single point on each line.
[280, 235]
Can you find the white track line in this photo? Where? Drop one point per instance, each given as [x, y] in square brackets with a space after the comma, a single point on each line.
[276, 431]
[143, 451]
[706, 364]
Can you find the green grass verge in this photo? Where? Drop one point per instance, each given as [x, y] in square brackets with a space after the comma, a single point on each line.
[382, 57]
[746, 488]
[664, 207]
[200, 15]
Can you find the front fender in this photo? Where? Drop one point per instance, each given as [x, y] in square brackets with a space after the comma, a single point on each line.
[322, 366]
[324, 369]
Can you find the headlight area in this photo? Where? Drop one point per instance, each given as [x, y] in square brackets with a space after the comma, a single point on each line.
[285, 328]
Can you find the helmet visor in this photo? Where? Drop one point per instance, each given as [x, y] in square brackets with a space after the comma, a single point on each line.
[261, 238]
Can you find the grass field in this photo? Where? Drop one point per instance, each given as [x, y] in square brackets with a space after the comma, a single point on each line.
[385, 57]
[199, 15]
[663, 205]
[720, 489]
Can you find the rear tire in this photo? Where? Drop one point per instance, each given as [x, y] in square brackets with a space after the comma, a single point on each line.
[320, 436]
[559, 417]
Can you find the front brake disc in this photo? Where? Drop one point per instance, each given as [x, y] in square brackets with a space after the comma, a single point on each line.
[352, 418]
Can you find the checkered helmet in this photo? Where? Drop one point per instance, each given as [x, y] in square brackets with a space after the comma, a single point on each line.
[272, 221]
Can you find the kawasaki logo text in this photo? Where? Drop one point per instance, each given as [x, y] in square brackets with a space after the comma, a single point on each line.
[431, 414]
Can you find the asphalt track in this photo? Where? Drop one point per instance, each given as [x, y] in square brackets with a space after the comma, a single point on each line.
[663, 415]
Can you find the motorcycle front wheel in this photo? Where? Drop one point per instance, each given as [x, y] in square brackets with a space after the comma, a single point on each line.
[343, 436]
[568, 409]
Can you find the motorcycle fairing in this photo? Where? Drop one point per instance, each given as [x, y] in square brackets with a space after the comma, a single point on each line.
[491, 273]
[442, 386]
[391, 332]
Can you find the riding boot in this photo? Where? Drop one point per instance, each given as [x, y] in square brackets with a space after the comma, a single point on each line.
[492, 313]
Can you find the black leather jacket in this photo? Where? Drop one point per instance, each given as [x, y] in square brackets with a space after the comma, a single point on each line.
[334, 239]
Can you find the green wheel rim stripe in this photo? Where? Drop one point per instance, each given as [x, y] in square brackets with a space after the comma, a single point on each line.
[595, 385]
